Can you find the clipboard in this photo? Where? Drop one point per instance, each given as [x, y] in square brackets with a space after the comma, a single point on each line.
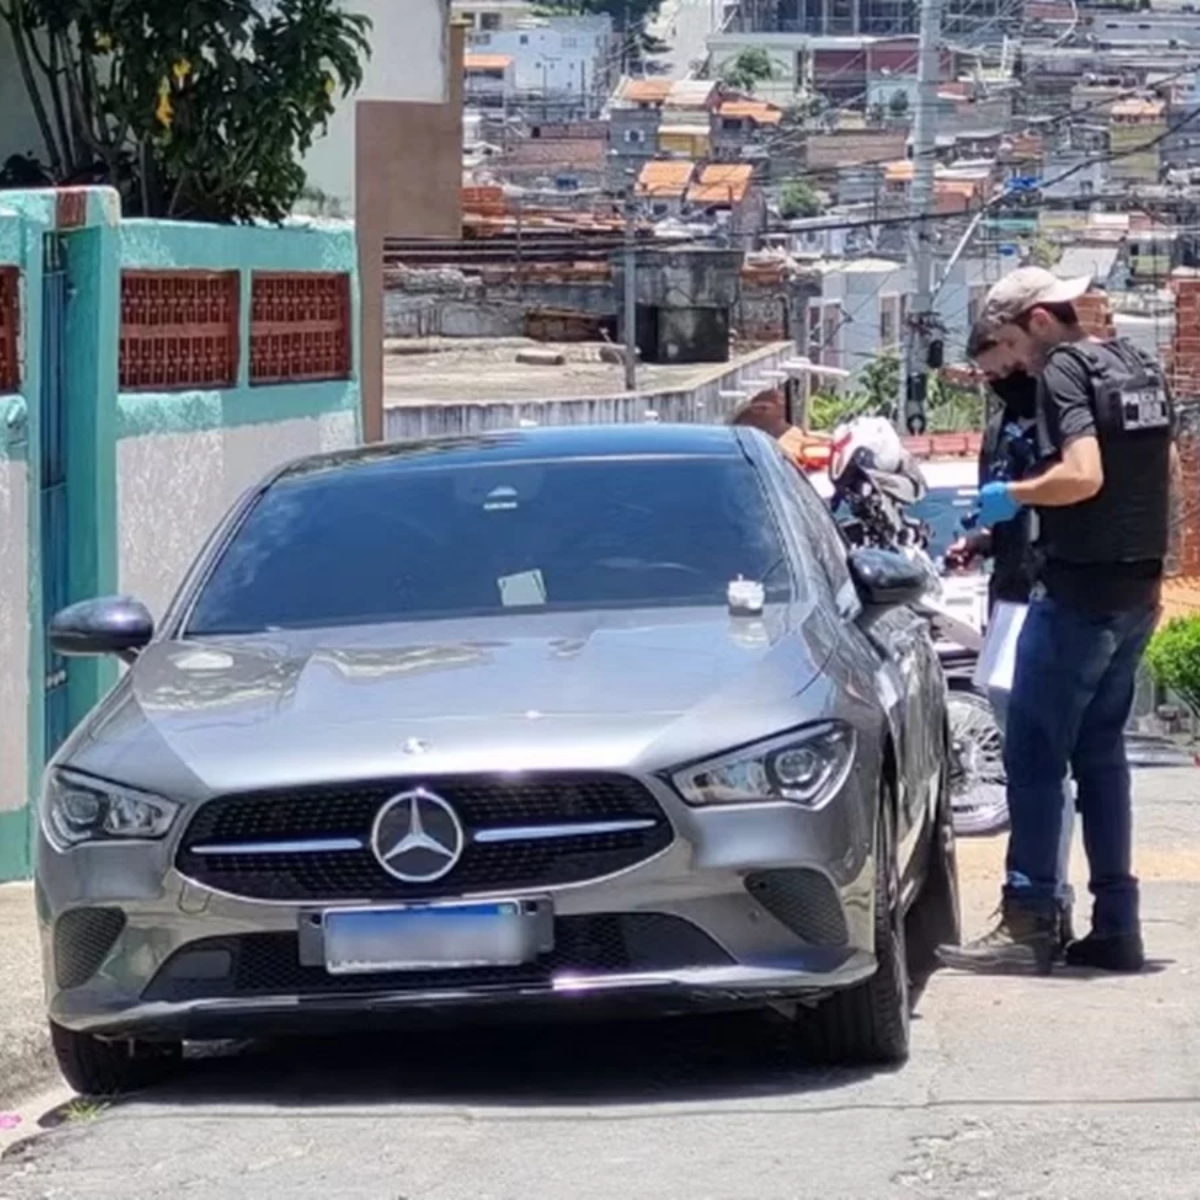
[997, 661]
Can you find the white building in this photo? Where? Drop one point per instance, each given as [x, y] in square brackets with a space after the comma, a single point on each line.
[864, 306]
[554, 56]
[410, 60]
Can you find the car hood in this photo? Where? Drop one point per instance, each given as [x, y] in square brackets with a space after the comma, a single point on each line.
[553, 691]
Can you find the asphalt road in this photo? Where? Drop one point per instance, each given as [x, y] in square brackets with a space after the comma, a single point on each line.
[1063, 1088]
[685, 26]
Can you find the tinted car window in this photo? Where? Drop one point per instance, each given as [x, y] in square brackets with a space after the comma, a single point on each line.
[374, 542]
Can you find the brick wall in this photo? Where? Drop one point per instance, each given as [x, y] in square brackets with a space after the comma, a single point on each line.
[1185, 548]
[1095, 315]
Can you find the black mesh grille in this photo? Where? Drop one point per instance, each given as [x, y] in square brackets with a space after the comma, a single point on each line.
[805, 901]
[481, 803]
[264, 964]
[83, 939]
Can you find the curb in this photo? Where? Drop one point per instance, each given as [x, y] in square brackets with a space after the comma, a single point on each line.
[27, 1062]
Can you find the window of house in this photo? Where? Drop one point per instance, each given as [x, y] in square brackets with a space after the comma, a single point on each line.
[570, 43]
[489, 20]
[731, 124]
[831, 330]
[635, 137]
[814, 334]
[524, 39]
[470, 18]
[889, 321]
[975, 303]
[480, 39]
[659, 208]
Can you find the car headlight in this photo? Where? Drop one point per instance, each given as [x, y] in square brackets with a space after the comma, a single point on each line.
[77, 810]
[804, 767]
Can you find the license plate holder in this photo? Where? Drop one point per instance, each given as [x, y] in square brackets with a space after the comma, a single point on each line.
[435, 937]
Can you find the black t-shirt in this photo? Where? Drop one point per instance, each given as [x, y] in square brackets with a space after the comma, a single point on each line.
[1121, 578]
[1008, 444]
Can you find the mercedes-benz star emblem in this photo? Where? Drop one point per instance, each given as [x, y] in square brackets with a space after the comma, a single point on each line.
[417, 837]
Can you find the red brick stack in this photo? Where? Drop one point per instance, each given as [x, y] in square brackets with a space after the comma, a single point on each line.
[1185, 348]
[1095, 315]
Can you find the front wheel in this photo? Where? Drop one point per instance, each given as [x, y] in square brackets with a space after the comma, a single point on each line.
[868, 1024]
[96, 1067]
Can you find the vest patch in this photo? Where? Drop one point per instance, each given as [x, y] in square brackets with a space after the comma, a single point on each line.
[1144, 408]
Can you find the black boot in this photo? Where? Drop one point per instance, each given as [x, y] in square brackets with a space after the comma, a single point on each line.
[1122, 952]
[1022, 942]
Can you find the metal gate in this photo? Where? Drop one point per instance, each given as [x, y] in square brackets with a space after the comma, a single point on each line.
[55, 544]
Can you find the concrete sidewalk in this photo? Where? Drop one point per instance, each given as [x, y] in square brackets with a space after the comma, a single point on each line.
[26, 1062]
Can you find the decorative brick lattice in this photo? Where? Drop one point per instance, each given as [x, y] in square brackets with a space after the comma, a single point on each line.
[300, 327]
[10, 329]
[179, 330]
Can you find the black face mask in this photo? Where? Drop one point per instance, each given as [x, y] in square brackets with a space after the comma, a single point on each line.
[1018, 391]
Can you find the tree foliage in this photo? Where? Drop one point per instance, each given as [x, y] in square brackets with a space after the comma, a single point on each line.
[748, 68]
[192, 108]
[1173, 657]
[948, 408]
[798, 199]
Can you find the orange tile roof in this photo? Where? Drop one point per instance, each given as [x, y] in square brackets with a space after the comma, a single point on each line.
[900, 171]
[1181, 597]
[758, 111]
[486, 62]
[721, 183]
[1138, 108]
[667, 178]
[644, 91]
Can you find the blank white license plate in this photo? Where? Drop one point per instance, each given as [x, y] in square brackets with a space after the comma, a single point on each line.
[505, 933]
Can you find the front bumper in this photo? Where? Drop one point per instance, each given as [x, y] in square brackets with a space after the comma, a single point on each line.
[752, 905]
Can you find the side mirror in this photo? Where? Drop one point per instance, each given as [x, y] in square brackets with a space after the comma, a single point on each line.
[885, 579]
[111, 625]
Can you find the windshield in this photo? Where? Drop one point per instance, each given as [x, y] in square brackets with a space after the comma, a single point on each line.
[943, 509]
[379, 542]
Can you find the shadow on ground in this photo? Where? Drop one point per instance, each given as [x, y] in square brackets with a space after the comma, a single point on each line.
[616, 1063]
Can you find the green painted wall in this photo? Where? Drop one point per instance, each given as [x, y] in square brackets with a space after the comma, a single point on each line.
[98, 415]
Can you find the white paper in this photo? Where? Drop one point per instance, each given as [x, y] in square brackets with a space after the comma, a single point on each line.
[526, 590]
[997, 662]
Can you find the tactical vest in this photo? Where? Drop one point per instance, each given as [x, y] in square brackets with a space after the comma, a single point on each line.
[1128, 520]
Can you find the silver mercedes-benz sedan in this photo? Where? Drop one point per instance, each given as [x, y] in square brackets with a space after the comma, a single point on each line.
[583, 719]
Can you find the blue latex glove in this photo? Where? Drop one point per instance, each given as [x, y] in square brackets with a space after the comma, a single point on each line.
[996, 504]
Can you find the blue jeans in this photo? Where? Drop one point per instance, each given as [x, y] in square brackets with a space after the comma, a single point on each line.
[1072, 694]
[998, 698]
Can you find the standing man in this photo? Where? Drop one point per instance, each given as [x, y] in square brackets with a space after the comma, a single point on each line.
[1105, 430]
[1009, 452]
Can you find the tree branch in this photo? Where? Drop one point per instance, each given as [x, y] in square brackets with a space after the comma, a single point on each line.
[60, 115]
[16, 23]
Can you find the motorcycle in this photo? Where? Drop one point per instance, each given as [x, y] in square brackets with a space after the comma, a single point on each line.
[871, 493]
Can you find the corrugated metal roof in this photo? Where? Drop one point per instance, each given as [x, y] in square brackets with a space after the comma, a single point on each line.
[1096, 261]
[758, 111]
[643, 91]
[721, 183]
[665, 179]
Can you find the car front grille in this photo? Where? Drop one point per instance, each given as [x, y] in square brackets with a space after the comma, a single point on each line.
[314, 843]
[267, 964]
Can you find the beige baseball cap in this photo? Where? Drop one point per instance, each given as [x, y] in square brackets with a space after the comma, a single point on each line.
[1026, 288]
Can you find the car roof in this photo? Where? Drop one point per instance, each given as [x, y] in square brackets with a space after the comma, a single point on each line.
[521, 445]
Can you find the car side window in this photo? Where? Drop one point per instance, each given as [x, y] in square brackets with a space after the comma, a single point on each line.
[821, 535]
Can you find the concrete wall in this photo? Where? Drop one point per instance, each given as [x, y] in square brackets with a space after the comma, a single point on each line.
[184, 457]
[409, 61]
[700, 403]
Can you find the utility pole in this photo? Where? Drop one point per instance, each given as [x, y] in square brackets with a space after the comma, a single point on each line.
[629, 308]
[923, 320]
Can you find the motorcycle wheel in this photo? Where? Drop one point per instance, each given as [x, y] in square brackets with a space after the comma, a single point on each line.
[978, 792]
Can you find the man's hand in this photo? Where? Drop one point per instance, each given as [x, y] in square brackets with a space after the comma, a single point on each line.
[964, 551]
[996, 504]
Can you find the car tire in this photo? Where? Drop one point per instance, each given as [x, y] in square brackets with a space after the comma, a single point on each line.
[96, 1067]
[935, 918]
[868, 1024]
